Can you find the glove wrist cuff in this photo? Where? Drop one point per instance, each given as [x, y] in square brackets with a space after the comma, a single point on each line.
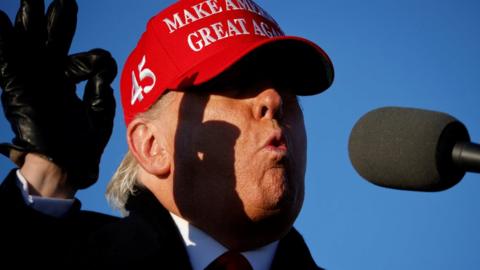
[17, 154]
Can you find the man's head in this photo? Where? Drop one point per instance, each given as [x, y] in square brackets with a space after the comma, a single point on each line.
[226, 147]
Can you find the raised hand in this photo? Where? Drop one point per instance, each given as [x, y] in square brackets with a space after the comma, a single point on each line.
[39, 99]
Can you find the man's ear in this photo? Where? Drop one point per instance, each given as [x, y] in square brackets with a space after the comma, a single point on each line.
[148, 145]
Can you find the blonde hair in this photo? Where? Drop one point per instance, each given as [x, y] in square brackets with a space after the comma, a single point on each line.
[124, 182]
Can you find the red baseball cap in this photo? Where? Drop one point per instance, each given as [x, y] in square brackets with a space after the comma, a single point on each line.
[193, 41]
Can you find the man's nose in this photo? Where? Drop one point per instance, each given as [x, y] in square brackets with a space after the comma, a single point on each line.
[268, 105]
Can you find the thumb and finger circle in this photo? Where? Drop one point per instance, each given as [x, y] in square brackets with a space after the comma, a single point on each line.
[47, 38]
[99, 68]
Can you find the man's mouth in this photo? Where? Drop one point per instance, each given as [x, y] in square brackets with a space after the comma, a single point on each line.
[277, 142]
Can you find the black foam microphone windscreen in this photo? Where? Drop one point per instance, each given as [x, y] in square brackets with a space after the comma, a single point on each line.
[406, 148]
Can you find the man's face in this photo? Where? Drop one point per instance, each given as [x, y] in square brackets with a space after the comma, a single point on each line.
[239, 155]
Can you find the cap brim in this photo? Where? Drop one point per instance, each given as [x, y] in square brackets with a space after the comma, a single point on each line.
[304, 64]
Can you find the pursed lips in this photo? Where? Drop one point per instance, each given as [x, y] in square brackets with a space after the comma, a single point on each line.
[276, 143]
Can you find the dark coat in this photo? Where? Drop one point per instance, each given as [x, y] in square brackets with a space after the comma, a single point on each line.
[30, 238]
[148, 237]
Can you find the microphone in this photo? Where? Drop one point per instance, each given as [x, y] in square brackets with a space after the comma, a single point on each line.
[412, 149]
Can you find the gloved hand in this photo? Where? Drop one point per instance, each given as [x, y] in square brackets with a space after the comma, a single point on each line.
[39, 99]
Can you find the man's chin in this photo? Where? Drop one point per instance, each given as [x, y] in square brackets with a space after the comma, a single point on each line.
[281, 192]
[283, 207]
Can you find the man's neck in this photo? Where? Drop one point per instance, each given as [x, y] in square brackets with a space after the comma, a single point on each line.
[202, 249]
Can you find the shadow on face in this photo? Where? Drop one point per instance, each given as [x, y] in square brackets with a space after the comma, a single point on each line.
[204, 176]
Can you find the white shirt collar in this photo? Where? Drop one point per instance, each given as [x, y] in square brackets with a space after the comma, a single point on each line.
[202, 249]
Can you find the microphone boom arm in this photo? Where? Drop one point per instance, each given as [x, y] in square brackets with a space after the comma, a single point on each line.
[466, 156]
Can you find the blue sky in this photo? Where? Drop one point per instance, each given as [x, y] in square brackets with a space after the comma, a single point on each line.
[411, 53]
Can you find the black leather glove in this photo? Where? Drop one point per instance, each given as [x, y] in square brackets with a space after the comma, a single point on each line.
[39, 98]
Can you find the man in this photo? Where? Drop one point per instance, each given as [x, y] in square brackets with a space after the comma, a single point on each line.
[217, 143]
